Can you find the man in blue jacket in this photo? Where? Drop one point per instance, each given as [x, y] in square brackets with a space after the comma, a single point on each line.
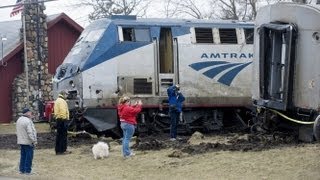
[175, 108]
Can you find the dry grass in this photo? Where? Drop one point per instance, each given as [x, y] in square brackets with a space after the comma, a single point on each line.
[11, 128]
[286, 163]
[290, 163]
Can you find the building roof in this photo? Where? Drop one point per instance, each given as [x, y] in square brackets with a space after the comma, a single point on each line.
[10, 30]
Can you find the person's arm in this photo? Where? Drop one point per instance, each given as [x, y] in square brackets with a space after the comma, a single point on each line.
[133, 110]
[119, 108]
[57, 108]
[180, 97]
[67, 110]
[32, 133]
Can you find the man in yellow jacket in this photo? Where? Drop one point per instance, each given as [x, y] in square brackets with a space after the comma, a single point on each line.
[61, 114]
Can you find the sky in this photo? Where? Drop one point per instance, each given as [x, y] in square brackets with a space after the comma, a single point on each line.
[80, 15]
[53, 7]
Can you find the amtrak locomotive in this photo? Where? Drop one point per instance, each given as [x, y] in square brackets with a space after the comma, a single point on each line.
[141, 58]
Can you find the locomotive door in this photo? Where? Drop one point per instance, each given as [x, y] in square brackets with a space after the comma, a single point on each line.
[167, 62]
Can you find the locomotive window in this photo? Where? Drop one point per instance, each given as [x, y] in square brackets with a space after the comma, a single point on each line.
[248, 33]
[204, 35]
[127, 34]
[142, 35]
[61, 73]
[94, 35]
[136, 35]
[76, 50]
[228, 36]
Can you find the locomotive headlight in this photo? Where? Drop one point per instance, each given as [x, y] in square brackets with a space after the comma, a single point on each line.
[98, 91]
[71, 84]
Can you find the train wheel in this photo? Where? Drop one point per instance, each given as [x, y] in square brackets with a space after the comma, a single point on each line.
[316, 128]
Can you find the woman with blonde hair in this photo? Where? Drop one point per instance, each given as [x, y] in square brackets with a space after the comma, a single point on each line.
[124, 99]
[127, 114]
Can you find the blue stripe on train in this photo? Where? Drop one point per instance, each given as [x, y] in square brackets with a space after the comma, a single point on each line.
[109, 47]
[116, 50]
[216, 70]
[216, 67]
[228, 77]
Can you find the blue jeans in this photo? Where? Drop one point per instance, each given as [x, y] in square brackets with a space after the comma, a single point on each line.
[174, 120]
[26, 156]
[128, 131]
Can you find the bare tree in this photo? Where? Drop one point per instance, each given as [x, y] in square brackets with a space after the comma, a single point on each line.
[229, 9]
[221, 9]
[239, 9]
[169, 9]
[254, 9]
[106, 8]
[186, 8]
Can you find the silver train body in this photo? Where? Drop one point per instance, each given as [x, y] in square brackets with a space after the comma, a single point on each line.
[141, 58]
[286, 76]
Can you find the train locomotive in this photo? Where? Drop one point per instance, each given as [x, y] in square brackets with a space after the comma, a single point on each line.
[141, 58]
[286, 79]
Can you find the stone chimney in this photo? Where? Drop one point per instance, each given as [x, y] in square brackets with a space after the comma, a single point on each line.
[39, 79]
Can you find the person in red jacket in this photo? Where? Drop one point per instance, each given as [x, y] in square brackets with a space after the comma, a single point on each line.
[127, 113]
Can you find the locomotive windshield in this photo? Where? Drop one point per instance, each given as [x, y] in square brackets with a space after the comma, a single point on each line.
[90, 36]
[66, 70]
[86, 43]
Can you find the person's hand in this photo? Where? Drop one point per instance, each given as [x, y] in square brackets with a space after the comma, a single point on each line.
[177, 87]
[140, 102]
[34, 144]
[135, 103]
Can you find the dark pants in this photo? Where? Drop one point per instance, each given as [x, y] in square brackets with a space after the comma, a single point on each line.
[61, 138]
[174, 120]
[26, 156]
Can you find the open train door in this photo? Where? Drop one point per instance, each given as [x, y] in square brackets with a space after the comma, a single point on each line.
[277, 55]
[166, 60]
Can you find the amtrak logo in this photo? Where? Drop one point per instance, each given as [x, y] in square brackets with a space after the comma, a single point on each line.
[216, 67]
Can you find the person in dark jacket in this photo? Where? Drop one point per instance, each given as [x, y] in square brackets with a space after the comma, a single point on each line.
[127, 113]
[175, 108]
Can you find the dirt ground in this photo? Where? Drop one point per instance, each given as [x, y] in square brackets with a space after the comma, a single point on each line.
[209, 156]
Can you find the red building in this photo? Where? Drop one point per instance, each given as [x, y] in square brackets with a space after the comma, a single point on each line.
[62, 35]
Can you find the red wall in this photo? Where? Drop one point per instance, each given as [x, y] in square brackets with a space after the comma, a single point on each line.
[7, 75]
[61, 39]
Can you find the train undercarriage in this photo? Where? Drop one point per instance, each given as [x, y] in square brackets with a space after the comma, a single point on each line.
[205, 120]
[152, 121]
[304, 124]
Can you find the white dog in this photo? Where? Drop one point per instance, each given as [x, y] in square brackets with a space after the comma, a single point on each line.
[100, 150]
